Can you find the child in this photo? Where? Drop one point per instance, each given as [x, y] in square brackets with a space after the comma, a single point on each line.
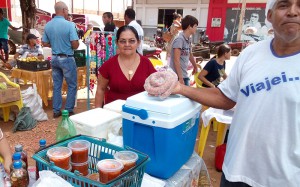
[181, 51]
[5, 153]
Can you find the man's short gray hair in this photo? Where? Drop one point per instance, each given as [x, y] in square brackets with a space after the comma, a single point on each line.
[270, 5]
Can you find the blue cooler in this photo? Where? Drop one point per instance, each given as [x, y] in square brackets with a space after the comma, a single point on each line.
[165, 130]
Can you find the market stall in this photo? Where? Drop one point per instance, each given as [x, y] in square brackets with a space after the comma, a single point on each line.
[43, 81]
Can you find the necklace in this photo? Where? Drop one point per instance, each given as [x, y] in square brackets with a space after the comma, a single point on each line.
[130, 69]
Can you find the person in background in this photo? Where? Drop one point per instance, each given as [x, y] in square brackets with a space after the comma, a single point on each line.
[88, 31]
[181, 52]
[4, 24]
[214, 70]
[5, 152]
[263, 147]
[30, 49]
[174, 30]
[129, 17]
[62, 37]
[124, 74]
[108, 19]
[253, 27]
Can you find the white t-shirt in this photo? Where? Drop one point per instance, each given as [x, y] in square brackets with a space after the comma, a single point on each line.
[264, 140]
[140, 32]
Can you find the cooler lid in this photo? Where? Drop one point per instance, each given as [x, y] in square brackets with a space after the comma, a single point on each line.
[95, 117]
[115, 106]
[172, 105]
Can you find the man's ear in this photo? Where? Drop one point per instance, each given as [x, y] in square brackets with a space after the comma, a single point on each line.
[269, 15]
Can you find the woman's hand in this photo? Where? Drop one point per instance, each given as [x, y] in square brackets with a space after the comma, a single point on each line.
[7, 163]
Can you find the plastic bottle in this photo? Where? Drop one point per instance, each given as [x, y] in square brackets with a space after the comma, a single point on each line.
[17, 157]
[42, 145]
[19, 176]
[65, 128]
[19, 148]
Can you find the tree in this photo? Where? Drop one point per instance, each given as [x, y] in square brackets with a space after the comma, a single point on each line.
[28, 9]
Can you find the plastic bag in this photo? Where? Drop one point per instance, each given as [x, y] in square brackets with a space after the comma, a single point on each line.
[24, 120]
[48, 178]
[33, 100]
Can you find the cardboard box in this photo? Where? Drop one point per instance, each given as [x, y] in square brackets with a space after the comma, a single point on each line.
[9, 95]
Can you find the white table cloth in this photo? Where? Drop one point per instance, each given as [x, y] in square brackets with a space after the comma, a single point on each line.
[223, 116]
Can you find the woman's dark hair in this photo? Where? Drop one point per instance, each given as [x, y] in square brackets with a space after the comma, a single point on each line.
[222, 49]
[176, 15]
[1, 11]
[125, 28]
[187, 21]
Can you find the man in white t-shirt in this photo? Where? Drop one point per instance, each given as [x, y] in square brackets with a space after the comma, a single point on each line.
[263, 147]
[129, 17]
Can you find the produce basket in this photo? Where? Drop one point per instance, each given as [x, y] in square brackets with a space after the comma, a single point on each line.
[99, 150]
[33, 65]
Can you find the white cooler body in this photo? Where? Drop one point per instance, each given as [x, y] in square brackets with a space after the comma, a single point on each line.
[95, 122]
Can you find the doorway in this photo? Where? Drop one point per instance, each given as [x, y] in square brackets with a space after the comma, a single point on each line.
[165, 17]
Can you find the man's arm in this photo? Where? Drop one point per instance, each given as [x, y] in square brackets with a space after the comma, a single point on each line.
[75, 44]
[177, 65]
[192, 60]
[45, 44]
[212, 97]
[14, 28]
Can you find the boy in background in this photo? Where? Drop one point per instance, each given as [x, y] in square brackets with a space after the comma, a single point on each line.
[181, 50]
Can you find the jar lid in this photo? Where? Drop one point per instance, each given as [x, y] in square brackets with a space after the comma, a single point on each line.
[59, 152]
[78, 145]
[110, 165]
[126, 156]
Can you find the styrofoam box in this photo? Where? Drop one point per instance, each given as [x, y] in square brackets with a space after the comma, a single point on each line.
[165, 130]
[95, 122]
[115, 106]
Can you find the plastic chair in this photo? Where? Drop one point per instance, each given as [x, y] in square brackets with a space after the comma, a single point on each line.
[6, 106]
[196, 79]
[221, 128]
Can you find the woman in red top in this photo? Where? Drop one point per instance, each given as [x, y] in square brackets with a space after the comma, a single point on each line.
[124, 74]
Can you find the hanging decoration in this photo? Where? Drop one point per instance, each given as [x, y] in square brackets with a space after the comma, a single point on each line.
[102, 47]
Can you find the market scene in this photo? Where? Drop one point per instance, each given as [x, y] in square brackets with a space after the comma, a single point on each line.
[148, 93]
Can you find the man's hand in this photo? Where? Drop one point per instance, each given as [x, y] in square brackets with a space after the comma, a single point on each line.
[195, 70]
[177, 88]
[181, 81]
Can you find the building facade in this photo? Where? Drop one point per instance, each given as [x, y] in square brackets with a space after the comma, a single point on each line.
[220, 18]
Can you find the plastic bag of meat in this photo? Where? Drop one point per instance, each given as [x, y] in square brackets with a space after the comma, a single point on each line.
[161, 83]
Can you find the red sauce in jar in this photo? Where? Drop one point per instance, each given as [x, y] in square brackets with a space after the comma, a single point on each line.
[105, 177]
[127, 166]
[63, 163]
[79, 156]
[80, 151]
[82, 168]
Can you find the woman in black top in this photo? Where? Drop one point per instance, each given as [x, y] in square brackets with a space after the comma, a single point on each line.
[214, 70]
